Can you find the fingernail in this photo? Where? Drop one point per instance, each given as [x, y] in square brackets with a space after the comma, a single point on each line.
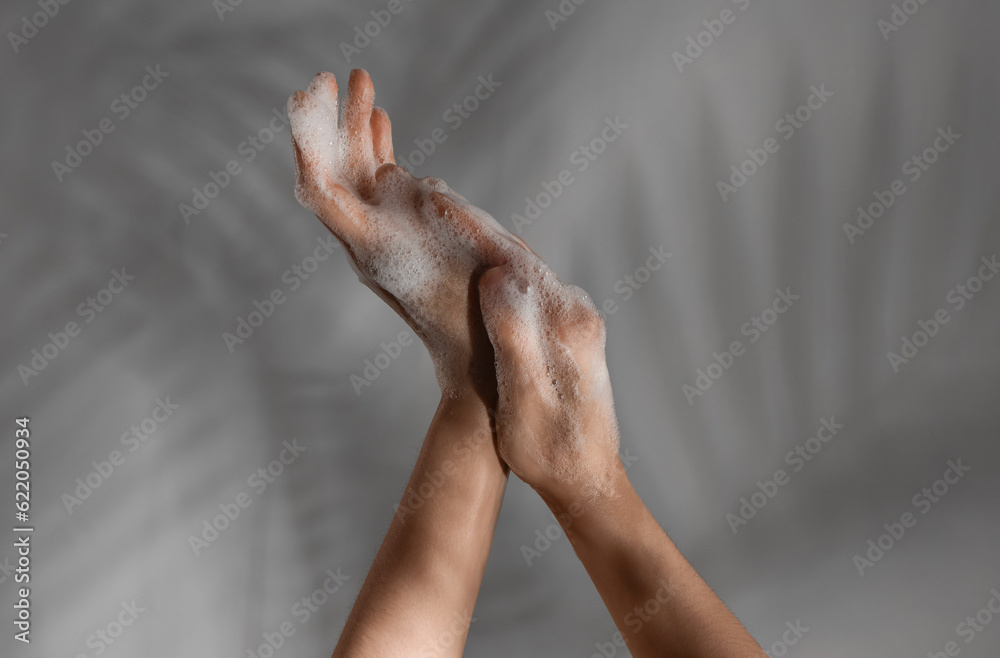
[493, 275]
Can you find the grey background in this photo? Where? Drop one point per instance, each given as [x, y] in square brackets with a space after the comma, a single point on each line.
[655, 185]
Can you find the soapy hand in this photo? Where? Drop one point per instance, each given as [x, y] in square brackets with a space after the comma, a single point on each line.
[415, 242]
[556, 425]
[499, 324]
[423, 248]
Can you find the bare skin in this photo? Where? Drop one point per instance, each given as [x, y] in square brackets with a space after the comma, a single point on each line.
[557, 431]
[424, 250]
[422, 586]
[415, 242]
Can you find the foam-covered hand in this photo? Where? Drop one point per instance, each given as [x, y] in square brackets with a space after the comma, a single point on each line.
[418, 244]
[556, 425]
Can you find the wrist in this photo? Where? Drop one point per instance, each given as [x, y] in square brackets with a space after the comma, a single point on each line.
[466, 382]
[599, 527]
[596, 475]
[461, 401]
[595, 494]
[468, 421]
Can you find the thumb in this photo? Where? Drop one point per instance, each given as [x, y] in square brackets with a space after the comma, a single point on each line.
[511, 317]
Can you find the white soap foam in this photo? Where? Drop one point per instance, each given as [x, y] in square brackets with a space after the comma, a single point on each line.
[411, 250]
[315, 128]
[535, 306]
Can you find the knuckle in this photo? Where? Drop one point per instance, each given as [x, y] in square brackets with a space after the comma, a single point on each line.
[436, 184]
[390, 172]
[583, 322]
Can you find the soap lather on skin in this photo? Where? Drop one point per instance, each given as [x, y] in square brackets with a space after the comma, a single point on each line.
[421, 247]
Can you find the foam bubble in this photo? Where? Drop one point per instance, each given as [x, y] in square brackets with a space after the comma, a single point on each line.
[416, 256]
[551, 326]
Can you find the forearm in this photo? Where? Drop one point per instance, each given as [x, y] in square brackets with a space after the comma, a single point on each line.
[659, 603]
[421, 589]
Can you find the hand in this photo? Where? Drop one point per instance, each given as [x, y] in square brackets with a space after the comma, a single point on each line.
[418, 244]
[556, 425]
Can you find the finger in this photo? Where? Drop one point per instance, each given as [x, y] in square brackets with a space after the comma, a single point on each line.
[324, 89]
[314, 132]
[579, 322]
[511, 320]
[382, 137]
[467, 224]
[582, 332]
[357, 132]
[343, 213]
[488, 235]
[441, 186]
[305, 193]
[392, 181]
[299, 163]
[520, 242]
